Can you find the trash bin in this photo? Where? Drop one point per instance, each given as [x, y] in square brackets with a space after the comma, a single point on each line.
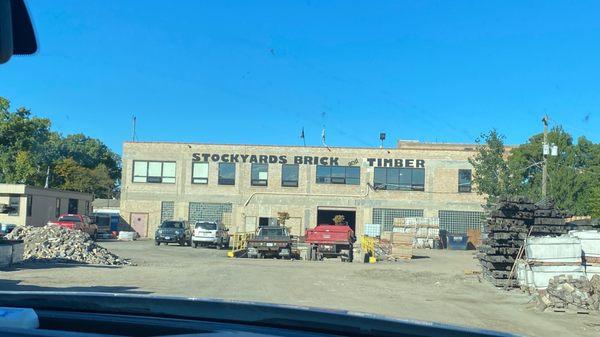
[457, 241]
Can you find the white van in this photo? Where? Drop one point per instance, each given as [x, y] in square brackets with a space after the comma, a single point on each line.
[210, 233]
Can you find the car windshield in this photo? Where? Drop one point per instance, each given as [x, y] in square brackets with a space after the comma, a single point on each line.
[272, 232]
[172, 224]
[206, 225]
[449, 149]
[69, 218]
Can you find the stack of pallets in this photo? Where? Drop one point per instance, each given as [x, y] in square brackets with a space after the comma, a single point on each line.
[402, 246]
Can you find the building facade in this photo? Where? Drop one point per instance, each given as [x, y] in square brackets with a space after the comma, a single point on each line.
[246, 185]
[35, 206]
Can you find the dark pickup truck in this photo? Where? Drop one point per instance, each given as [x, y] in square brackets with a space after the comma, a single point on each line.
[270, 241]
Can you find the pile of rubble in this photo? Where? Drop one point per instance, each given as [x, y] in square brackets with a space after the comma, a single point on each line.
[58, 244]
[568, 293]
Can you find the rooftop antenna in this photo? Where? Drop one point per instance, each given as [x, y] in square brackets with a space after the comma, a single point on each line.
[381, 138]
[133, 130]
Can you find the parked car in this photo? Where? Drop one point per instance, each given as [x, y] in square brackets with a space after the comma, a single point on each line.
[270, 241]
[77, 222]
[173, 231]
[210, 233]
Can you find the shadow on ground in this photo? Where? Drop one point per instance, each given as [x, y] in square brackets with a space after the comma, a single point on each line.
[41, 264]
[15, 285]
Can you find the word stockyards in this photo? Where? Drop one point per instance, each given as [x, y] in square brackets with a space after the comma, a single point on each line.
[303, 160]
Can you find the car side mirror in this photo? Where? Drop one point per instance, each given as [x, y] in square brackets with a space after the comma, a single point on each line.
[16, 31]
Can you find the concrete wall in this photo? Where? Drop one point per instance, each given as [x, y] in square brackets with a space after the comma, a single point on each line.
[43, 203]
[251, 202]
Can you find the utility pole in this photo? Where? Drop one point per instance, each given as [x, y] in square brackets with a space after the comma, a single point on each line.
[545, 153]
[133, 131]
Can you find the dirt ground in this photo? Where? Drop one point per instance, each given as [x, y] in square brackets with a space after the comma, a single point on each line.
[432, 287]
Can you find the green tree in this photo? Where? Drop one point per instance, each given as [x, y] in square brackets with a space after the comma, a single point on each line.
[594, 201]
[491, 174]
[74, 177]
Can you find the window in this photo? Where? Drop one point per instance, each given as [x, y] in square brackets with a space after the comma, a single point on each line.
[348, 175]
[401, 179]
[199, 173]
[167, 210]
[73, 206]
[385, 216]
[87, 207]
[289, 175]
[57, 208]
[154, 172]
[464, 181]
[458, 222]
[226, 174]
[259, 174]
[29, 205]
[14, 202]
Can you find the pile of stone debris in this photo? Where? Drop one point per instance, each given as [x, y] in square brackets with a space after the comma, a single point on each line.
[569, 293]
[57, 244]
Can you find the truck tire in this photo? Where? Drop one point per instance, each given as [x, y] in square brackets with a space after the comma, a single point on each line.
[157, 243]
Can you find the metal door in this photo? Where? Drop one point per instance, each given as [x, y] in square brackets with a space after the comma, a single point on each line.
[139, 223]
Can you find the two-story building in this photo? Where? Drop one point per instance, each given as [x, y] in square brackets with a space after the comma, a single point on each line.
[245, 185]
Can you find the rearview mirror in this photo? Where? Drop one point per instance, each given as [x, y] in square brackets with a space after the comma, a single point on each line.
[16, 31]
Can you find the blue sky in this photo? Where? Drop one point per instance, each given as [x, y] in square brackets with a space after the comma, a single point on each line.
[258, 71]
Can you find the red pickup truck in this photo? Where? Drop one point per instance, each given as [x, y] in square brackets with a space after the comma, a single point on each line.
[331, 241]
[77, 222]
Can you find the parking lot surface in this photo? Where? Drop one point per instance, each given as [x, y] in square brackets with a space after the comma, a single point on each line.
[435, 286]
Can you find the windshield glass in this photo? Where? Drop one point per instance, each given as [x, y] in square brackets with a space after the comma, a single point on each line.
[206, 225]
[172, 224]
[449, 149]
[272, 232]
[69, 218]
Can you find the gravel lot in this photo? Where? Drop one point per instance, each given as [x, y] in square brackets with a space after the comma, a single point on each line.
[432, 287]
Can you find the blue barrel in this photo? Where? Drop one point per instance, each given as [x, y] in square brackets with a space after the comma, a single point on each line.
[457, 241]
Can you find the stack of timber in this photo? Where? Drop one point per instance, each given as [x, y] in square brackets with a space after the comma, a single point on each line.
[511, 221]
[401, 246]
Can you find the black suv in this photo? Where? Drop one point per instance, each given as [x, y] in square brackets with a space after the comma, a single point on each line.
[173, 231]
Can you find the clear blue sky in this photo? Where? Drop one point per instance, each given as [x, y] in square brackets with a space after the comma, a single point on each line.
[259, 71]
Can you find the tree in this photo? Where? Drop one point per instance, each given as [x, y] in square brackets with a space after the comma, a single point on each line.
[74, 177]
[491, 174]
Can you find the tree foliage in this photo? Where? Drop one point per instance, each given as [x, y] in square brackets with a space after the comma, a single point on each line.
[491, 168]
[77, 162]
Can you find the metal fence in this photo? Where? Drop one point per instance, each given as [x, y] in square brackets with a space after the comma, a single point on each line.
[207, 211]
[385, 216]
[458, 222]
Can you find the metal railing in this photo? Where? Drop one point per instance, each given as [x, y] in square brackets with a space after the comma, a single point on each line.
[239, 243]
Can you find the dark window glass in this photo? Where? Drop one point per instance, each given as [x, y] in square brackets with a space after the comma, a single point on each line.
[172, 224]
[226, 174]
[323, 174]
[209, 226]
[57, 209]
[348, 175]
[73, 206]
[14, 202]
[289, 175]
[29, 205]
[402, 179]
[464, 181]
[260, 174]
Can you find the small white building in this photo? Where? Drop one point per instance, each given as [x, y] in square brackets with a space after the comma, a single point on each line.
[35, 206]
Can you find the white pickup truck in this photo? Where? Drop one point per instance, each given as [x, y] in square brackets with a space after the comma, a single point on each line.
[210, 233]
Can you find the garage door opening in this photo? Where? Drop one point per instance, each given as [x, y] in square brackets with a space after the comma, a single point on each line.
[325, 216]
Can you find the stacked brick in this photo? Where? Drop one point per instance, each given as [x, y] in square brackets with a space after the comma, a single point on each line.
[510, 221]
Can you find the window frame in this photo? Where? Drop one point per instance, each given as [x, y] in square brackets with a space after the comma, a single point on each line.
[335, 178]
[461, 186]
[400, 184]
[29, 205]
[15, 210]
[155, 179]
[290, 183]
[221, 180]
[200, 178]
[57, 207]
[259, 182]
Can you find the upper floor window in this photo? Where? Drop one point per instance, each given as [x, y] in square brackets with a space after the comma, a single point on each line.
[348, 175]
[289, 175]
[464, 181]
[402, 179]
[199, 173]
[260, 174]
[226, 174]
[153, 172]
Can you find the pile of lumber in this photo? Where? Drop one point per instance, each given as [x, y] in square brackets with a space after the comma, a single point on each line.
[401, 246]
[511, 221]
